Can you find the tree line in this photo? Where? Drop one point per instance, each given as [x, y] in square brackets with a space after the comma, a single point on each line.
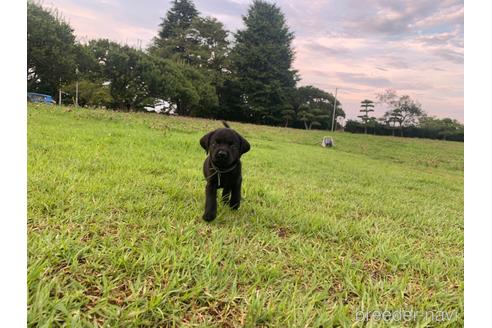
[193, 67]
[405, 118]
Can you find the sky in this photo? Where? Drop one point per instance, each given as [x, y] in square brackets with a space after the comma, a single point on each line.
[361, 47]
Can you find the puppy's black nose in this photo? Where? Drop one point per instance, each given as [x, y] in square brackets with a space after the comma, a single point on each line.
[221, 154]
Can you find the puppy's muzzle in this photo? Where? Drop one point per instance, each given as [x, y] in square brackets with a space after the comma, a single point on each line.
[222, 154]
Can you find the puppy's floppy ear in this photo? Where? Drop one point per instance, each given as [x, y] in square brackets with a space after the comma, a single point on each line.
[244, 145]
[205, 141]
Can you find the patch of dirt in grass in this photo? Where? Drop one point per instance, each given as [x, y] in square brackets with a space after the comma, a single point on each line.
[335, 288]
[93, 293]
[350, 298]
[283, 232]
[205, 232]
[61, 268]
[377, 269]
[226, 314]
[120, 294]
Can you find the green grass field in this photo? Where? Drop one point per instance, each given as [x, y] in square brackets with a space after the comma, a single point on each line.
[115, 236]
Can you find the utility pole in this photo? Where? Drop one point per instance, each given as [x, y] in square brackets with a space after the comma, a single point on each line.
[334, 111]
[76, 87]
[59, 93]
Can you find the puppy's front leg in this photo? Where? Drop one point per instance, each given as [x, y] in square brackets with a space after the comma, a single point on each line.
[210, 202]
[226, 195]
[236, 195]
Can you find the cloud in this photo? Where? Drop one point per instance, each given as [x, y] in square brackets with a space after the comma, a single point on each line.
[389, 18]
[363, 79]
[223, 7]
[396, 64]
[450, 55]
[440, 39]
[330, 51]
[446, 16]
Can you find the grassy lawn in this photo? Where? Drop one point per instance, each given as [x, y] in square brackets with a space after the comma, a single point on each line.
[116, 237]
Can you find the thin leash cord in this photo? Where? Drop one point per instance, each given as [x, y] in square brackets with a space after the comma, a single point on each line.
[218, 172]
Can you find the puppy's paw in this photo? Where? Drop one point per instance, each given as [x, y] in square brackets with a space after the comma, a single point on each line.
[208, 217]
[235, 206]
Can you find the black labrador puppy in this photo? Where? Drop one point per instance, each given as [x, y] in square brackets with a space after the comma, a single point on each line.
[222, 168]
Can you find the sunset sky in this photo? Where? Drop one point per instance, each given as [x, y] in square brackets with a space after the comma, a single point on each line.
[360, 46]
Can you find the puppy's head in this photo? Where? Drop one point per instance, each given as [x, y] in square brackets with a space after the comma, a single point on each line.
[225, 146]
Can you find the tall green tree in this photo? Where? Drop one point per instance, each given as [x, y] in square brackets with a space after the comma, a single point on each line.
[367, 106]
[288, 115]
[232, 105]
[403, 109]
[312, 116]
[391, 118]
[186, 37]
[314, 107]
[172, 40]
[208, 44]
[88, 66]
[202, 44]
[206, 102]
[177, 19]
[138, 80]
[207, 51]
[121, 67]
[51, 50]
[262, 60]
